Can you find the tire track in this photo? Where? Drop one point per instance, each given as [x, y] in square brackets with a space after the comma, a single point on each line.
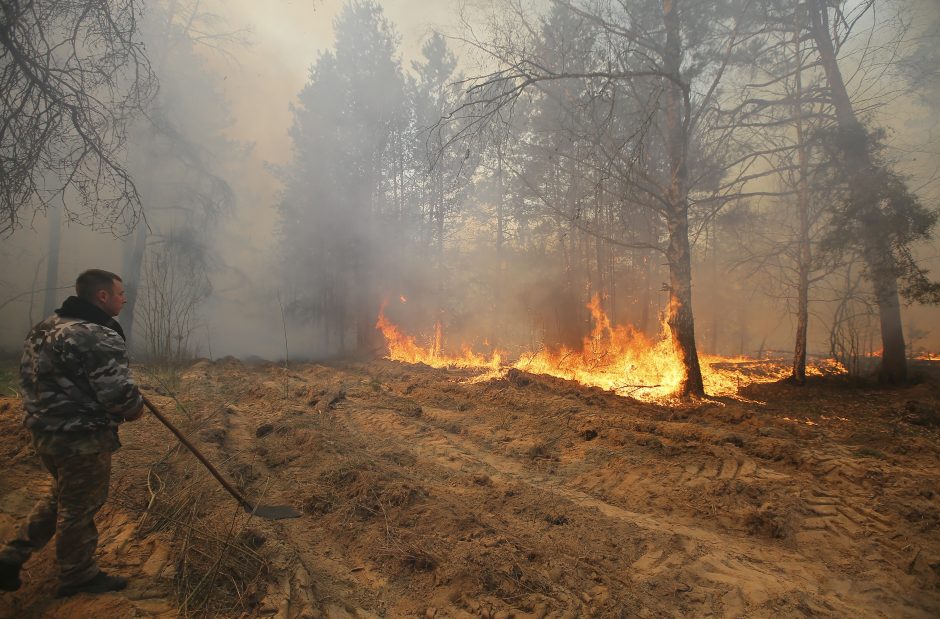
[744, 574]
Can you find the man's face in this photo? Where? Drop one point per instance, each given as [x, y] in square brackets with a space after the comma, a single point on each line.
[112, 301]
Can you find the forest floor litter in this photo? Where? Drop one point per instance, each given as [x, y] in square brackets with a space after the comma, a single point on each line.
[426, 493]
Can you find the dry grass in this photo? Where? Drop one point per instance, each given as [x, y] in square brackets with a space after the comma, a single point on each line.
[218, 571]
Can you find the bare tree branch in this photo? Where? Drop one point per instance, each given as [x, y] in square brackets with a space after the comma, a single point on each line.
[73, 73]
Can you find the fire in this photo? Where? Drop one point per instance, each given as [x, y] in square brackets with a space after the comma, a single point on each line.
[614, 357]
[403, 348]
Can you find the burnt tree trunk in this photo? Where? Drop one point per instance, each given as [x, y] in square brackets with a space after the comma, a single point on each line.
[678, 253]
[877, 251]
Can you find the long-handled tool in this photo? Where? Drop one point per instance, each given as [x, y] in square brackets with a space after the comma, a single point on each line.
[270, 512]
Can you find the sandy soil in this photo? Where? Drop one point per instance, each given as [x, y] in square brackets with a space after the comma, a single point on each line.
[425, 494]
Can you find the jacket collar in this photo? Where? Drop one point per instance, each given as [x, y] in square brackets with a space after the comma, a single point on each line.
[76, 307]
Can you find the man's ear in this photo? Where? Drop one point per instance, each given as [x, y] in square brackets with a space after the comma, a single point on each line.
[101, 295]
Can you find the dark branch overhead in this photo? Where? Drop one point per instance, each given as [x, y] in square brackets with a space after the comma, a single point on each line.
[74, 73]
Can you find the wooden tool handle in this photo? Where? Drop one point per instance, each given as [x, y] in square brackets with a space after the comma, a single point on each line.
[225, 484]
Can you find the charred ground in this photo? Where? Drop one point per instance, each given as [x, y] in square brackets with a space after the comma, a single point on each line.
[427, 494]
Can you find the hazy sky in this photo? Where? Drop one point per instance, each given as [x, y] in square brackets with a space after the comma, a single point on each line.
[287, 36]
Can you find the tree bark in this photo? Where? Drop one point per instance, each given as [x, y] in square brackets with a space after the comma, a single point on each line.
[877, 252]
[805, 255]
[52, 263]
[439, 223]
[678, 253]
[131, 272]
[498, 288]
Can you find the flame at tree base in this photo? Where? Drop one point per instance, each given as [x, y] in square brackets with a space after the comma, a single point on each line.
[614, 357]
[617, 358]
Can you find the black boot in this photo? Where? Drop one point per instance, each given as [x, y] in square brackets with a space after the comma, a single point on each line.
[9, 576]
[101, 583]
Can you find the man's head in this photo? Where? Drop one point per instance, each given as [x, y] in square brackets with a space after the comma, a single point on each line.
[102, 289]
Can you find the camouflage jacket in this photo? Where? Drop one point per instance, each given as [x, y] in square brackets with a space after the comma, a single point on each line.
[75, 376]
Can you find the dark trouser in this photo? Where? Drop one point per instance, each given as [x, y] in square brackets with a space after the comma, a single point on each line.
[79, 489]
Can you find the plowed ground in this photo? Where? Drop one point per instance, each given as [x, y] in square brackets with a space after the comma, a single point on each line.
[425, 494]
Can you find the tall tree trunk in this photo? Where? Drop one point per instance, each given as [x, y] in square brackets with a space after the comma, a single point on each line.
[602, 288]
[498, 288]
[52, 263]
[877, 251]
[500, 223]
[441, 283]
[611, 266]
[711, 240]
[647, 293]
[32, 293]
[365, 304]
[678, 253]
[798, 375]
[650, 286]
[131, 271]
[805, 255]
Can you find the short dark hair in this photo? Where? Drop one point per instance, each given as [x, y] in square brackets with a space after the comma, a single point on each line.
[93, 280]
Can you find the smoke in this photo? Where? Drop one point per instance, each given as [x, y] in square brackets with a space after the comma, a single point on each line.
[519, 287]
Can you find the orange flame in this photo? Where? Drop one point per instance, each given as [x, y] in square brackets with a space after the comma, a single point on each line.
[403, 347]
[614, 357]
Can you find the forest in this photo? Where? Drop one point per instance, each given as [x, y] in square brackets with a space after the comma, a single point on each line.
[531, 308]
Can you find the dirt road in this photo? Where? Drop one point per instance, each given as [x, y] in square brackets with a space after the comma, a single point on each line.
[428, 494]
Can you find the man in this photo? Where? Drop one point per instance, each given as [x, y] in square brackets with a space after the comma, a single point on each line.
[77, 389]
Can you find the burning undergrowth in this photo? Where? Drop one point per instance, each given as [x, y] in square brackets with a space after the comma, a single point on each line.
[616, 358]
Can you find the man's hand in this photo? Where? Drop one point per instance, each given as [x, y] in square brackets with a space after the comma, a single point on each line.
[135, 413]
